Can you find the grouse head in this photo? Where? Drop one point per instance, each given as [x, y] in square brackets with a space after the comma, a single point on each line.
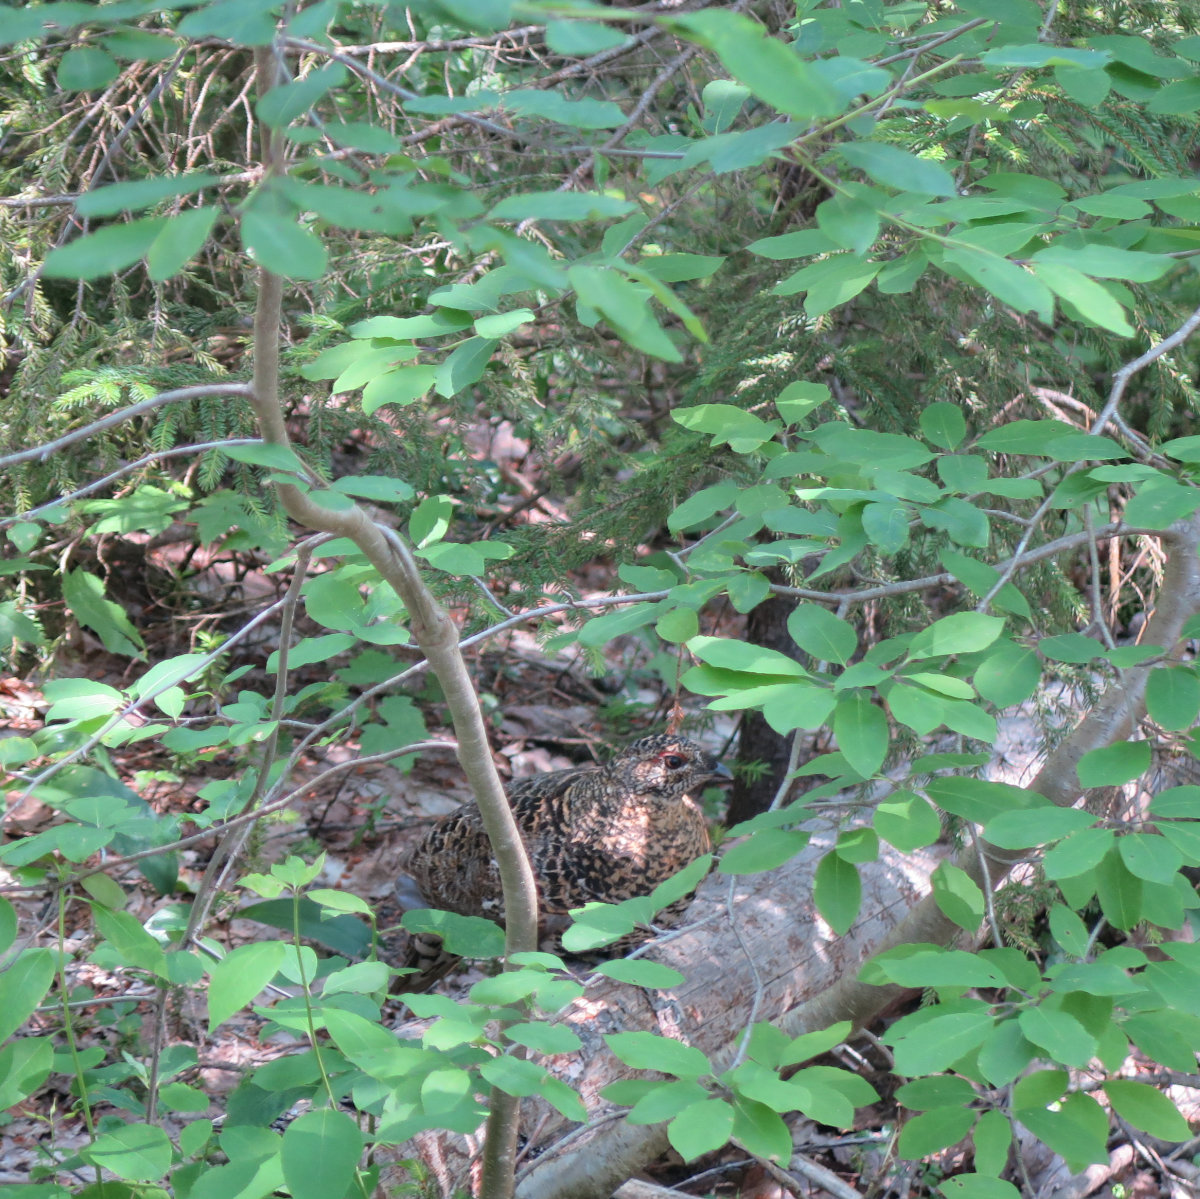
[665, 767]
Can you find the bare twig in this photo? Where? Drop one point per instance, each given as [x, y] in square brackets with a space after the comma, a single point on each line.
[1121, 378]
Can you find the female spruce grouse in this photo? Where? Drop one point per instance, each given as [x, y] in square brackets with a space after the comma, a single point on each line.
[603, 833]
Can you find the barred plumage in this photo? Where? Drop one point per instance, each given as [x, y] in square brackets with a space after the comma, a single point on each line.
[603, 833]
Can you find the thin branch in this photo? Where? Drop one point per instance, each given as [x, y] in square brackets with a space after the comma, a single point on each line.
[182, 451]
[230, 845]
[1122, 377]
[40, 453]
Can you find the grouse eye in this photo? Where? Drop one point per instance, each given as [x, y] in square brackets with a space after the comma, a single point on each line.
[674, 761]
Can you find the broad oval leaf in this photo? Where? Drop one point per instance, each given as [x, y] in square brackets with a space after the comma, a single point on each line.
[821, 633]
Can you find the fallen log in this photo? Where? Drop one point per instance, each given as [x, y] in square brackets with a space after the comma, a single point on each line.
[753, 949]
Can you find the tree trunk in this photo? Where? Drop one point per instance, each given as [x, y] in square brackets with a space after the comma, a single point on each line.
[758, 742]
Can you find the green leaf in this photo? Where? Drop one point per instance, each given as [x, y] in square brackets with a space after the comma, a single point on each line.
[1062, 1037]
[1161, 502]
[957, 896]
[320, 1153]
[819, 632]
[1016, 830]
[830, 282]
[104, 252]
[380, 488]
[578, 38]
[641, 973]
[1148, 857]
[289, 101]
[1009, 675]
[22, 987]
[86, 69]
[647, 1051]
[796, 706]
[886, 526]
[1077, 1130]
[583, 113]
[80, 699]
[502, 323]
[626, 307]
[559, 206]
[933, 1130]
[837, 892]
[1177, 802]
[701, 1128]
[1147, 1108]
[1093, 301]
[975, 1186]
[1112, 765]
[958, 633]
[678, 625]
[773, 71]
[240, 976]
[22, 25]
[1176, 98]
[993, 1139]
[938, 1042]
[8, 921]
[602, 629]
[943, 424]
[1073, 648]
[466, 936]
[280, 245]
[1068, 930]
[141, 193]
[456, 558]
[24, 1067]
[125, 934]
[545, 1038]
[907, 821]
[1005, 1053]
[662, 1101]
[702, 506]
[850, 221]
[914, 966]
[763, 851]
[181, 238]
[742, 431]
[84, 597]
[743, 656]
[1080, 853]
[941, 1090]
[1173, 697]
[896, 168]
[232, 20]
[136, 1152]
[861, 730]
[464, 366]
[1169, 1037]
[1105, 261]
[1119, 892]
[979, 800]
[1009, 283]
[964, 523]
[792, 245]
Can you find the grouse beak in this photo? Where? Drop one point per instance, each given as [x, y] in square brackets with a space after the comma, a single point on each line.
[721, 773]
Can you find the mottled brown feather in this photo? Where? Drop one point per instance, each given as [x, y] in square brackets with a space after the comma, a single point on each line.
[603, 833]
